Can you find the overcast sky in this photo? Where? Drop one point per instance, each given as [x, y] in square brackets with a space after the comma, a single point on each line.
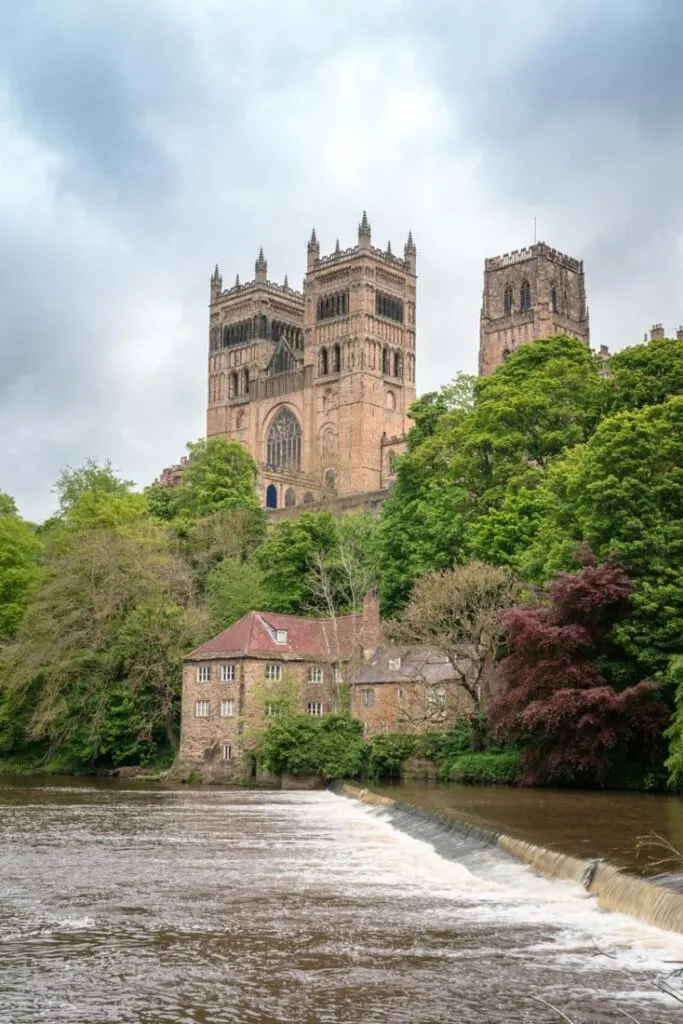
[142, 141]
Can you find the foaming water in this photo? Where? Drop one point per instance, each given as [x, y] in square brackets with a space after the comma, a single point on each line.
[171, 907]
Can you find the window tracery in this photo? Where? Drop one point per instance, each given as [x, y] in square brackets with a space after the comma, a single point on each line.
[283, 446]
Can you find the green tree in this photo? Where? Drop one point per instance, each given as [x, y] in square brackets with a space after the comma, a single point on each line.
[288, 561]
[331, 746]
[233, 589]
[220, 476]
[90, 478]
[95, 664]
[647, 374]
[232, 534]
[674, 764]
[19, 570]
[623, 492]
[8, 506]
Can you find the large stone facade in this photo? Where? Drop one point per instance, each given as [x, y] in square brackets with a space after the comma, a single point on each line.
[317, 384]
[531, 293]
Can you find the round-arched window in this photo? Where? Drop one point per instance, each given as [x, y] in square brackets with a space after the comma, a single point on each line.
[390, 400]
[283, 445]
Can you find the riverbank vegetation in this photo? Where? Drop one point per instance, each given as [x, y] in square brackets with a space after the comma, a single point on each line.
[562, 488]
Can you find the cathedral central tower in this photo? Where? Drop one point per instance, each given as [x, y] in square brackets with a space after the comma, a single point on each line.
[318, 384]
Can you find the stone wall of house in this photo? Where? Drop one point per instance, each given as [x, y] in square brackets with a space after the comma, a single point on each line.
[408, 706]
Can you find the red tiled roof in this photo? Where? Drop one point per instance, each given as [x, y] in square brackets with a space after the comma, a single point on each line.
[306, 638]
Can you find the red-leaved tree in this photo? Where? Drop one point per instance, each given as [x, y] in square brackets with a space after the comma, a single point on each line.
[555, 696]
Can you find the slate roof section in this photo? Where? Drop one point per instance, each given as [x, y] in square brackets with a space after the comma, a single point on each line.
[416, 665]
[254, 636]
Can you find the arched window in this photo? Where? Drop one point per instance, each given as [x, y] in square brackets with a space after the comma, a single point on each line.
[234, 385]
[271, 496]
[246, 382]
[290, 498]
[398, 365]
[386, 359]
[323, 368]
[525, 296]
[507, 299]
[553, 299]
[330, 481]
[390, 400]
[336, 359]
[283, 447]
[506, 354]
[308, 498]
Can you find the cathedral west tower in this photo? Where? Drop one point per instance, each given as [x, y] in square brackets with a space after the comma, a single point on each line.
[317, 384]
[530, 293]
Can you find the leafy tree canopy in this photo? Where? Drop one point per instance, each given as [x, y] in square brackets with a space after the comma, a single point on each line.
[93, 478]
[19, 571]
[219, 476]
[647, 374]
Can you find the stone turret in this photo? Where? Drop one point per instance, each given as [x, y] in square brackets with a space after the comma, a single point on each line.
[261, 268]
[313, 250]
[364, 233]
[410, 253]
[216, 283]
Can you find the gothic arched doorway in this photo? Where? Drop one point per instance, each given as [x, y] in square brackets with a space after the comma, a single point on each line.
[271, 496]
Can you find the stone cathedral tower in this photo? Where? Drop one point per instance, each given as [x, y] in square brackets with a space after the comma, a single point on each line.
[530, 293]
[317, 384]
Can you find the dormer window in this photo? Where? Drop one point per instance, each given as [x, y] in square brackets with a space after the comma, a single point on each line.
[394, 664]
[281, 636]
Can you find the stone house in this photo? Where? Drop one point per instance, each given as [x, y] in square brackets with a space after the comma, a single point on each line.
[234, 681]
[402, 689]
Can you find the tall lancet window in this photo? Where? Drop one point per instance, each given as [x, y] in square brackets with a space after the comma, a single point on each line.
[525, 296]
[283, 448]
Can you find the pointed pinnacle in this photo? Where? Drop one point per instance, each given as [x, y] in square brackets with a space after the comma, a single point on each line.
[314, 238]
[237, 280]
[364, 225]
[216, 272]
[389, 249]
[286, 281]
[261, 258]
[411, 243]
[337, 247]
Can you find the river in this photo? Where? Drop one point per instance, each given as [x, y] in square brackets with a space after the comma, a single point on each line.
[203, 906]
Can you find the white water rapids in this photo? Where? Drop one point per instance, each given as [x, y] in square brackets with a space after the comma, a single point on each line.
[210, 906]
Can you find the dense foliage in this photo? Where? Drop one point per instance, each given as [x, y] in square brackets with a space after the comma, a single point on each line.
[504, 479]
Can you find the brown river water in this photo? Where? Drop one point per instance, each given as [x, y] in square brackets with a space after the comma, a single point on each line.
[204, 906]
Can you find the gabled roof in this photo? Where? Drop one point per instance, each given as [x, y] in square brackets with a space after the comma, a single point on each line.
[404, 665]
[254, 635]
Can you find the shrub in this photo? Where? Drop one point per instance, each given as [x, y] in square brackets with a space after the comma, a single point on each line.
[500, 768]
[301, 745]
[387, 752]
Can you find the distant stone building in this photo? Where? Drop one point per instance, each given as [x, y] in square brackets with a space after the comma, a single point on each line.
[230, 681]
[407, 690]
[317, 383]
[530, 293]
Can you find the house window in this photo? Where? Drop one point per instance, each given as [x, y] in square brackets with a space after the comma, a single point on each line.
[400, 696]
[315, 674]
[227, 752]
[202, 709]
[315, 708]
[436, 696]
[273, 673]
[270, 710]
[227, 708]
[281, 636]
[367, 698]
[338, 676]
[227, 673]
[203, 673]
[394, 664]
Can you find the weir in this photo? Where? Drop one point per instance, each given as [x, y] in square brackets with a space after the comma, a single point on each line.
[614, 889]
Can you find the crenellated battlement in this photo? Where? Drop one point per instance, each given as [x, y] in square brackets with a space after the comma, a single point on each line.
[239, 289]
[531, 252]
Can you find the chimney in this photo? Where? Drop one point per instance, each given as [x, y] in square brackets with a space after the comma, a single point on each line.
[656, 331]
[604, 350]
[372, 635]
[679, 334]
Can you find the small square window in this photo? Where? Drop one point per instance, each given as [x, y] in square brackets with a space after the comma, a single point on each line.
[202, 709]
[281, 636]
[315, 674]
[270, 710]
[394, 664]
[367, 698]
[315, 708]
[227, 708]
[203, 673]
[227, 752]
[436, 696]
[273, 673]
[227, 673]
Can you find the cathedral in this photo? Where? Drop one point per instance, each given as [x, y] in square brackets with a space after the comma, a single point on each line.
[317, 383]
